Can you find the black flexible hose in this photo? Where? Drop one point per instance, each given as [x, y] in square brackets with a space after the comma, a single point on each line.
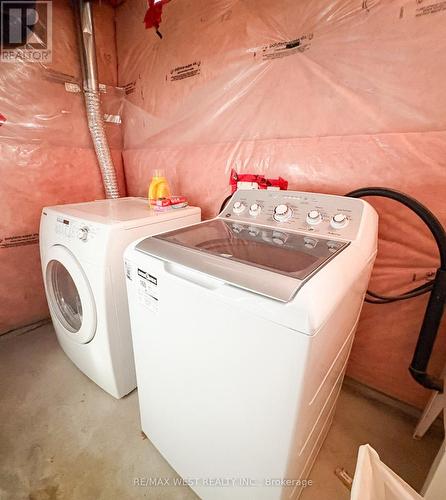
[376, 298]
[389, 299]
[428, 218]
[437, 299]
[425, 287]
[223, 205]
[423, 213]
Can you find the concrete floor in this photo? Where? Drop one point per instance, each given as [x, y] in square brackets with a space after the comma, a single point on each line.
[61, 437]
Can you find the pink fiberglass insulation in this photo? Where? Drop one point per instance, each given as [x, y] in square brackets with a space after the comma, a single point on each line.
[46, 154]
[332, 95]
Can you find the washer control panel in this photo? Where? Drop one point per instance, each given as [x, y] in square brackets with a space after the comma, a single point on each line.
[74, 229]
[321, 214]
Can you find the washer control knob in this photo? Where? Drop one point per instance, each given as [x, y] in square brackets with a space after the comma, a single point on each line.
[82, 233]
[238, 207]
[255, 209]
[339, 221]
[314, 217]
[282, 213]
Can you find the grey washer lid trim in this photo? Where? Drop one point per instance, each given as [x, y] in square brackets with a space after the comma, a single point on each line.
[251, 278]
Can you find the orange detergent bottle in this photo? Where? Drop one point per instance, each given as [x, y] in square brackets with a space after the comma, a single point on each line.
[159, 187]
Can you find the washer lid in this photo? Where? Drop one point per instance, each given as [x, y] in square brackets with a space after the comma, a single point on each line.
[264, 260]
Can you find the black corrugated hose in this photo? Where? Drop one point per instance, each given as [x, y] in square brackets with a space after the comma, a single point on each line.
[437, 288]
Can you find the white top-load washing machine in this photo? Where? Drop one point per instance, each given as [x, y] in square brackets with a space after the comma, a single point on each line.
[252, 316]
[81, 248]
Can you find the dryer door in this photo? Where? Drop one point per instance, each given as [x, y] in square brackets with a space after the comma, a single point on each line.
[69, 295]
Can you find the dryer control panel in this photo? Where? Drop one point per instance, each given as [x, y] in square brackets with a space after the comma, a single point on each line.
[321, 214]
[74, 229]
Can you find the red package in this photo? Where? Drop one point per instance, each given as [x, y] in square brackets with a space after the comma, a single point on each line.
[166, 202]
[253, 181]
[177, 199]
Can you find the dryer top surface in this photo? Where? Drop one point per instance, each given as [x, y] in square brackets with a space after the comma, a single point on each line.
[119, 210]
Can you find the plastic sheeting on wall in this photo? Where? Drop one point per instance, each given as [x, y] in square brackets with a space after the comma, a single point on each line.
[46, 154]
[332, 95]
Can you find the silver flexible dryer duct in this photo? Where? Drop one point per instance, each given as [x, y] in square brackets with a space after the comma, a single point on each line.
[86, 42]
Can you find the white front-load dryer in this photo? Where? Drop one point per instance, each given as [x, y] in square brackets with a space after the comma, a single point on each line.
[237, 389]
[81, 247]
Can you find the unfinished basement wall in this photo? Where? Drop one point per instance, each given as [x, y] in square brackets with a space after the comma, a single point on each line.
[332, 95]
[46, 154]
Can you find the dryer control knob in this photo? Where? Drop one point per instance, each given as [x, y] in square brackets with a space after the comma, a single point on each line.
[314, 217]
[339, 221]
[238, 207]
[82, 234]
[282, 213]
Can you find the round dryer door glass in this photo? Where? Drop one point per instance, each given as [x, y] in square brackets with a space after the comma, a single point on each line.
[66, 296]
